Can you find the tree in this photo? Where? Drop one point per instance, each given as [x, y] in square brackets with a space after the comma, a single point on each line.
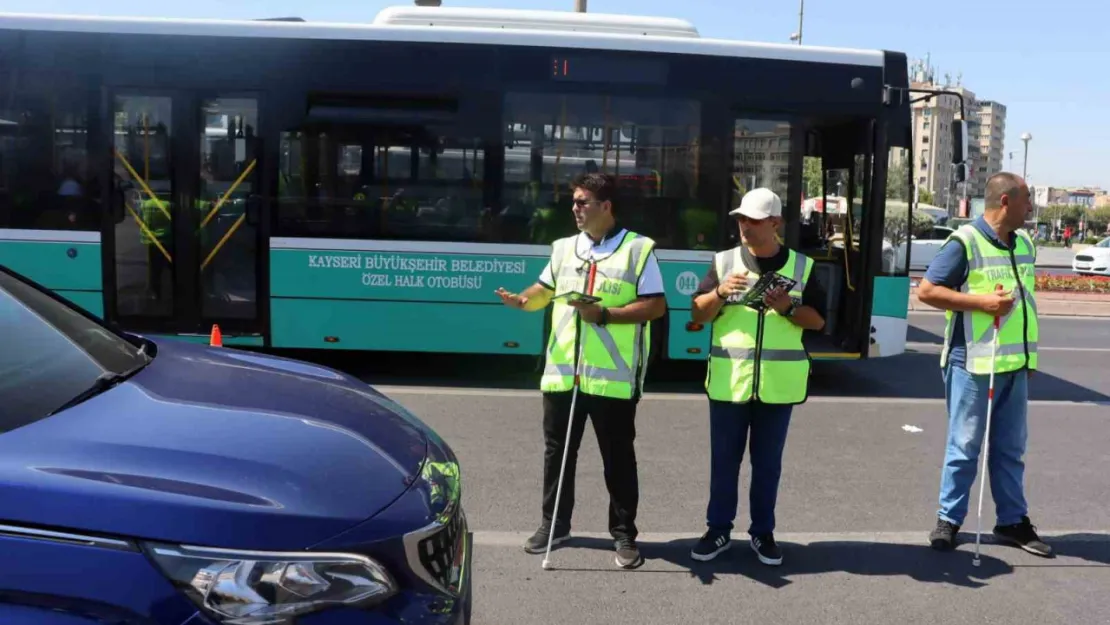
[811, 176]
[1067, 214]
[895, 227]
[897, 180]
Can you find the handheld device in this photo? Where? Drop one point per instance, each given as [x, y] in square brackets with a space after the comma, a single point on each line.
[753, 297]
[578, 296]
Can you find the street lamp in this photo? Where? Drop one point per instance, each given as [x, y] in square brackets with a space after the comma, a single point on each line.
[1025, 137]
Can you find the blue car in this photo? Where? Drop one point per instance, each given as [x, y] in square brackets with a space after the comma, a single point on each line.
[168, 483]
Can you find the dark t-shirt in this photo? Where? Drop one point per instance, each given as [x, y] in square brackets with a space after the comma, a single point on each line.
[813, 295]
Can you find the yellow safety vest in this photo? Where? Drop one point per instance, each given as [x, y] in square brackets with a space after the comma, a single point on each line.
[614, 357]
[1018, 332]
[758, 354]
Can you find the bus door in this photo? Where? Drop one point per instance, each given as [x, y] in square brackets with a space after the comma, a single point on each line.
[186, 242]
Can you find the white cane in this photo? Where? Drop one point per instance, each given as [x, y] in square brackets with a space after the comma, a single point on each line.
[986, 441]
[570, 424]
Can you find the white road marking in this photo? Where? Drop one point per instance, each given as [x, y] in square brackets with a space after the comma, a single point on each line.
[698, 397]
[1075, 317]
[516, 539]
[928, 346]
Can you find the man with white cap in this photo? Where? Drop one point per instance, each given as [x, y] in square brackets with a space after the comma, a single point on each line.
[758, 370]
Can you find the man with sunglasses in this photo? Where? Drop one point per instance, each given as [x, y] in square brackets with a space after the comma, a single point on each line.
[757, 370]
[614, 336]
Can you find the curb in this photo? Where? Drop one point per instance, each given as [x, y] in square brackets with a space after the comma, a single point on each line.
[1074, 308]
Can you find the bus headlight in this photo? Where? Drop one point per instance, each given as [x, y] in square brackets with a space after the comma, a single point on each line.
[256, 588]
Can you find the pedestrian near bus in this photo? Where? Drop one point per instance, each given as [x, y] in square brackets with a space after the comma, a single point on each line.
[614, 335]
[757, 371]
[963, 280]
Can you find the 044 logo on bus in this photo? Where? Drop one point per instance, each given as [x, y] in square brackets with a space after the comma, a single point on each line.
[686, 283]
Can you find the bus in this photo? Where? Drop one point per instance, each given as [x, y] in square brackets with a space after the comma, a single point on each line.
[368, 186]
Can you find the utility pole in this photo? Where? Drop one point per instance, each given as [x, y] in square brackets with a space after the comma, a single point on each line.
[801, 19]
[579, 6]
[1025, 138]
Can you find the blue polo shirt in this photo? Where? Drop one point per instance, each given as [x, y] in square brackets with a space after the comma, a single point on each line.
[949, 269]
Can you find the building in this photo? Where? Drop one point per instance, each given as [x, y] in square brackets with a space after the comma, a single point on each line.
[933, 149]
[990, 135]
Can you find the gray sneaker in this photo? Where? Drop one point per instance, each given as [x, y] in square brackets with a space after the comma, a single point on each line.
[628, 554]
[537, 543]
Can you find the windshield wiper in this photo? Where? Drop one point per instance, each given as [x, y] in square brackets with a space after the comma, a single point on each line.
[102, 383]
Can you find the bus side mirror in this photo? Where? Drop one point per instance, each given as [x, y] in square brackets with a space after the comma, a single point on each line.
[959, 141]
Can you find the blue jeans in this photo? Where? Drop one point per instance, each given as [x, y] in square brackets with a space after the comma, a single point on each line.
[729, 425]
[967, 412]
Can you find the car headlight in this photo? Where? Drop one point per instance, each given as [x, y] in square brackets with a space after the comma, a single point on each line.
[255, 588]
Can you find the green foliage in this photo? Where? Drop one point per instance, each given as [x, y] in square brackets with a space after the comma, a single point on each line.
[897, 181]
[894, 225]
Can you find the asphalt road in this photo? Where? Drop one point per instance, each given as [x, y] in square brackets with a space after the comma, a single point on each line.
[857, 500]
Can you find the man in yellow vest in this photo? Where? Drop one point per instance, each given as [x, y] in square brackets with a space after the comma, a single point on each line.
[758, 369]
[963, 280]
[614, 337]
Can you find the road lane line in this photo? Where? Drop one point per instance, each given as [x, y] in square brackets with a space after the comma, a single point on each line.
[930, 346]
[699, 397]
[1072, 317]
[516, 539]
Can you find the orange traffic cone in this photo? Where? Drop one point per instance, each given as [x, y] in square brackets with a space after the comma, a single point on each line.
[217, 339]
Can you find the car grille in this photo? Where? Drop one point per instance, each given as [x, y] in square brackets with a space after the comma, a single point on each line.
[1084, 258]
[436, 554]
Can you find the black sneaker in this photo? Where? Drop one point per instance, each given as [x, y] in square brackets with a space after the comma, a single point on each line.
[943, 536]
[712, 544]
[628, 554]
[769, 553]
[1023, 535]
[537, 543]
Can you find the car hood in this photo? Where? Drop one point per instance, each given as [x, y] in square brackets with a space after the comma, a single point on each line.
[215, 447]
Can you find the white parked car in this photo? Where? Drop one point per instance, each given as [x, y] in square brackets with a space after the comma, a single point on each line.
[924, 248]
[1094, 260]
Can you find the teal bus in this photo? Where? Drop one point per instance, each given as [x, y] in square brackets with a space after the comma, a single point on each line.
[368, 186]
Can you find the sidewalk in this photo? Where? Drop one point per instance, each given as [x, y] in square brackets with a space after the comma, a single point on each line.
[1050, 303]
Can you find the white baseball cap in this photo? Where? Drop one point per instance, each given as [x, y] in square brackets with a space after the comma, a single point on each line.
[759, 203]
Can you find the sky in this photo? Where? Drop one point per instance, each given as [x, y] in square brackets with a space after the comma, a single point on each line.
[1040, 59]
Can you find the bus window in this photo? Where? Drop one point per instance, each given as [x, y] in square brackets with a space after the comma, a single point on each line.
[47, 114]
[339, 178]
[649, 144]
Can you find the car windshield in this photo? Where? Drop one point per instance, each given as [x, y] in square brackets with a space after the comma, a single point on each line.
[1103, 243]
[53, 355]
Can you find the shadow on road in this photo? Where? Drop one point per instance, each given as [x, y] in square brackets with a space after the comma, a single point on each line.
[915, 334]
[915, 374]
[918, 375]
[918, 562]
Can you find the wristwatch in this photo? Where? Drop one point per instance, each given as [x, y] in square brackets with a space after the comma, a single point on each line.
[790, 311]
[604, 317]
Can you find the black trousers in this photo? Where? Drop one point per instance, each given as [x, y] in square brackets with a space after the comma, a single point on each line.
[614, 422]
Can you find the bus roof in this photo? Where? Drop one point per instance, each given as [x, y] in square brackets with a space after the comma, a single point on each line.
[511, 27]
